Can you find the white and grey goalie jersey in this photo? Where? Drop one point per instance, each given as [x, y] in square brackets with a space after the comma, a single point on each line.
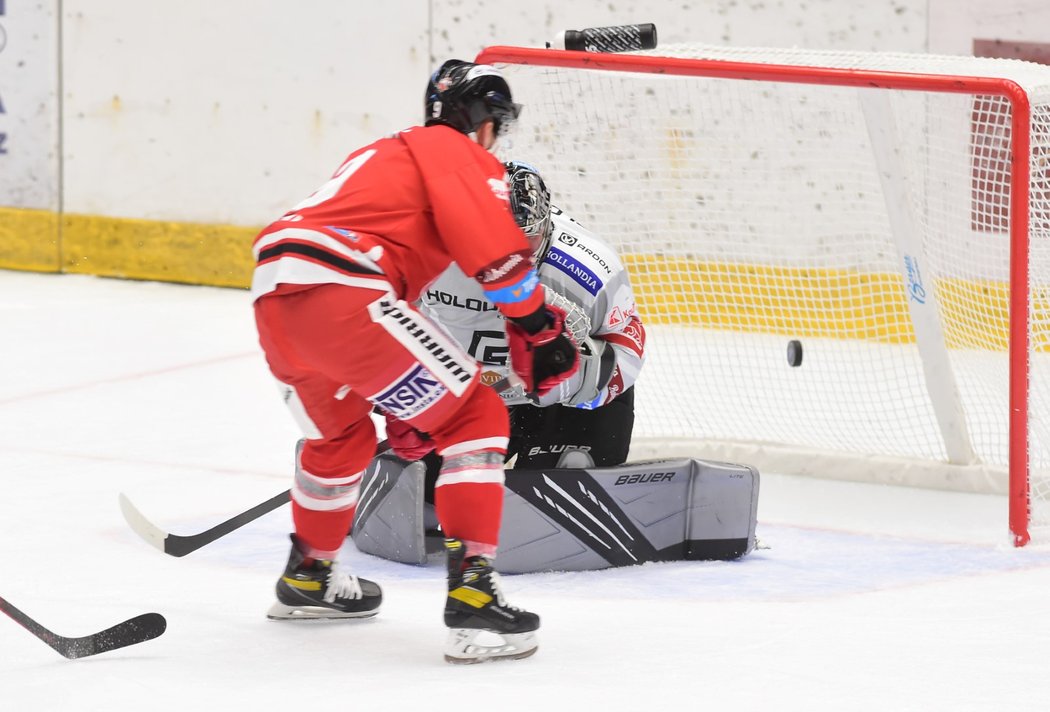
[588, 273]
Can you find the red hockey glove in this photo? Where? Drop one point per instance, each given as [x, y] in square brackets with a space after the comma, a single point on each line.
[542, 352]
[407, 442]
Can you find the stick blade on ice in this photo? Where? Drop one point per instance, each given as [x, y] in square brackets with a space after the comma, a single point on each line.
[131, 632]
[134, 630]
[151, 533]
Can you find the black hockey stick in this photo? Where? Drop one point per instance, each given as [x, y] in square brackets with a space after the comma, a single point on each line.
[134, 630]
[176, 545]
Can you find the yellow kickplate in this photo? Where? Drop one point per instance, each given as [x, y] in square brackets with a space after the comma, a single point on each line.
[302, 585]
[470, 596]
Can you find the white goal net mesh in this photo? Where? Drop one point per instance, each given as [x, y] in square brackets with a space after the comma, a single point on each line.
[752, 213]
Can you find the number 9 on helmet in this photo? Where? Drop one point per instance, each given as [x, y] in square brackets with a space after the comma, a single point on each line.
[463, 95]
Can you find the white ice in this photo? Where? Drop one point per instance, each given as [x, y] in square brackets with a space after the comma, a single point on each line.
[868, 597]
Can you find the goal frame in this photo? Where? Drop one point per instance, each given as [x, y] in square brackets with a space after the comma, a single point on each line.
[1020, 173]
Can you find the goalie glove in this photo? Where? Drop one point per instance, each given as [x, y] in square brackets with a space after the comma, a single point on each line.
[407, 442]
[586, 384]
[542, 352]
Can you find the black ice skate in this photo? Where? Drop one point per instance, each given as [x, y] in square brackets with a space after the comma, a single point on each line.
[475, 607]
[319, 591]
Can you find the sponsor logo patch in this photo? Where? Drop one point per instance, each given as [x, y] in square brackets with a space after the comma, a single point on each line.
[447, 299]
[555, 449]
[349, 234]
[489, 377]
[502, 270]
[517, 292]
[635, 333]
[639, 477]
[412, 393]
[585, 277]
[424, 343]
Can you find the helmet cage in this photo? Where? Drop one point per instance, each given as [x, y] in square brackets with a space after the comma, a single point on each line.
[530, 201]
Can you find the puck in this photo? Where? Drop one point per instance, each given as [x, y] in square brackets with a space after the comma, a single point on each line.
[794, 353]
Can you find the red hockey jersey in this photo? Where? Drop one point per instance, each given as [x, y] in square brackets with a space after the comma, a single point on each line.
[392, 218]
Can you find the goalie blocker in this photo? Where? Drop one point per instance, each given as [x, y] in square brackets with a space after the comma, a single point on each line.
[576, 519]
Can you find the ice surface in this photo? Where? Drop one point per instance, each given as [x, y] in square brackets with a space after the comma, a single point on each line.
[867, 597]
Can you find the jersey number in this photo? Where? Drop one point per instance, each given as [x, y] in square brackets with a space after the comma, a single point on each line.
[489, 347]
[336, 182]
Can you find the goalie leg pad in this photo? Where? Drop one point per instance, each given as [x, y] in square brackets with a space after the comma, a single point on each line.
[663, 510]
[579, 519]
[389, 522]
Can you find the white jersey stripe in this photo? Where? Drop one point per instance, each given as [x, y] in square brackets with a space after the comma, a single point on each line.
[470, 477]
[365, 259]
[497, 443]
[293, 270]
[331, 481]
[317, 504]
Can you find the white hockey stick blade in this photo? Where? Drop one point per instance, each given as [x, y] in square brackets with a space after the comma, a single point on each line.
[150, 532]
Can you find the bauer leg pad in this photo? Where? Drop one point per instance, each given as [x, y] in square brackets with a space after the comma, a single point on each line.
[596, 518]
[389, 522]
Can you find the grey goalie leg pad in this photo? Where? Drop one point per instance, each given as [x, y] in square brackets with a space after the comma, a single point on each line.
[664, 510]
[389, 520]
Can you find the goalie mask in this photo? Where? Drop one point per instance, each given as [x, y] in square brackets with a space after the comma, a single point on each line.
[530, 200]
[463, 95]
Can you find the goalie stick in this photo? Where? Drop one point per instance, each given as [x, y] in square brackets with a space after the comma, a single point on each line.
[177, 545]
[134, 630]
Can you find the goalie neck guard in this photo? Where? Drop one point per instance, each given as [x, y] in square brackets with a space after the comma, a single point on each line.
[463, 95]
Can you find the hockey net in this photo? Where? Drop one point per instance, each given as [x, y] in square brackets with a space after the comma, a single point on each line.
[890, 212]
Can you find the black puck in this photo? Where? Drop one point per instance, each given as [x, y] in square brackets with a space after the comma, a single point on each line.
[794, 353]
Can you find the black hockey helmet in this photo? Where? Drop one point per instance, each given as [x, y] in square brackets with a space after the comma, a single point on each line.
[530, 201]
[462, 95]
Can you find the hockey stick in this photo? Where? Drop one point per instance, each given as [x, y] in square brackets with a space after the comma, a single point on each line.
[134, 630]
[176, 545]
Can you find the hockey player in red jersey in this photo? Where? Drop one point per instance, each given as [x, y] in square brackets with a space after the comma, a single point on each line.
[333, 290]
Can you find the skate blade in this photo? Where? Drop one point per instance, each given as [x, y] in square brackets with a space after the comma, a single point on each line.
[463, 648]
[281, 612]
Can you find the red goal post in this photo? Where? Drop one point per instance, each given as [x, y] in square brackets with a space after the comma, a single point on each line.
[535, 73]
